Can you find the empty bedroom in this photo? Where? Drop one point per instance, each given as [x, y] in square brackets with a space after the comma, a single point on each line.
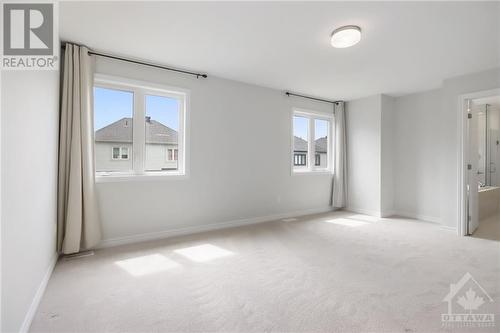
[289, 166]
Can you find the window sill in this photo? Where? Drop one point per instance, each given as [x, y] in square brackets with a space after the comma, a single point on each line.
[311, 172]
[159, 176]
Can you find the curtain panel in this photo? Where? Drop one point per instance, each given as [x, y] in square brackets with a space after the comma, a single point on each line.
[78, 224]
[339, 188]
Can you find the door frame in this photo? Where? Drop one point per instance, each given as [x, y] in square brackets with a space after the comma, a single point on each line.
[463, 153]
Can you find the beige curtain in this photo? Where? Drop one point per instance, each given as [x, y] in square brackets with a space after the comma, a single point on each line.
[339, 189]
[77, 217]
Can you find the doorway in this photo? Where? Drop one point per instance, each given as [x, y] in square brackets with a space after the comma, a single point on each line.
[480, 174]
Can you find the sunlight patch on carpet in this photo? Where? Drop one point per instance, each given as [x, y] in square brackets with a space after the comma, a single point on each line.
[365, 218]
[347, 222]
[203, 253]
[145, 265]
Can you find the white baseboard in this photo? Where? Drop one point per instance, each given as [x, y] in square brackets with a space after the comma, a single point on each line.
[426, 218]
[448, 228]
[358, 210]
[387, 213]
[390, 213]
[208, 227]
[38, 296]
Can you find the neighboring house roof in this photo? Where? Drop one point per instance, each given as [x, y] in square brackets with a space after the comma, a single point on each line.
[321, 145]
[121, 131]
[300, 144]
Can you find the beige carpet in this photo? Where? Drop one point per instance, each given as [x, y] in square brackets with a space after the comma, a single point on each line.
[489, 228]
[336, 272]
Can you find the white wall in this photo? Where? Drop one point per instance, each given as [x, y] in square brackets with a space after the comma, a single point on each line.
[370, 132]
[402, 157]
[426, 153]
[387, 155]
[452, 89]
[418, 155]
[240, 163]
[364, 125]
[29, 120]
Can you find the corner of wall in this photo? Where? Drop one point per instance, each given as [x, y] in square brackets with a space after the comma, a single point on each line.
[32, 235]
[364, 135]
[387, 156]
[37, 298]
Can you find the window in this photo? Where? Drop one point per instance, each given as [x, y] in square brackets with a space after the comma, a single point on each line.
[299, 159]
[116, 153]
[113, 125]
[162, 131]
[311, 143]
[300, 141]
[124, 153]
[321, 129]
[119, 153]
[140, 124]
[172, 155]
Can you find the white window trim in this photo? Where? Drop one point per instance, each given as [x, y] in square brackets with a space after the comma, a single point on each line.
[140, 90]
[310, 168]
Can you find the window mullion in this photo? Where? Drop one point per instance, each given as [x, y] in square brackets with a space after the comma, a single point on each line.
[139, 132]
[181, 136]
[330, 150]
[311, 144]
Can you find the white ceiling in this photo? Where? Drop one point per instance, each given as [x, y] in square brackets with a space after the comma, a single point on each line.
[405, 47]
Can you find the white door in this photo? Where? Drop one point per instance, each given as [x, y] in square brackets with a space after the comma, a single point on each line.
[473, 168]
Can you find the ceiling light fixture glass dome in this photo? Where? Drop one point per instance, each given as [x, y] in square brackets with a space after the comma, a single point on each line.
[346, 36]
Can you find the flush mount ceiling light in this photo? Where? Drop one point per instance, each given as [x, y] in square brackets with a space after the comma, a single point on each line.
[346, 36]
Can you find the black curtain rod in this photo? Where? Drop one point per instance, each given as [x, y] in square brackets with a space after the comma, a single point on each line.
[313, 98]
[105, 55]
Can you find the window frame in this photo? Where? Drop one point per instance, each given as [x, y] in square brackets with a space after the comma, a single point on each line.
[175, 154]
[310, 167]
[113, 158]
[299, 157]
[120, 154]
[140, 89]
[317, 159]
